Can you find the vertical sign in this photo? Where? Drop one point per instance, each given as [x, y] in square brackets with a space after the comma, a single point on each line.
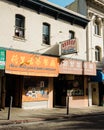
[2, 59]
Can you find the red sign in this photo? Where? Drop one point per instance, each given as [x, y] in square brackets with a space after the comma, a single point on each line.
[68, 46]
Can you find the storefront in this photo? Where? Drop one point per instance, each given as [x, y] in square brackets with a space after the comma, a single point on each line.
[97, 88]
[29, 79]
[2, 83]
[73, 80]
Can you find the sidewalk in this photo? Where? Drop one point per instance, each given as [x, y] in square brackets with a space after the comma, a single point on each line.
[19, 115]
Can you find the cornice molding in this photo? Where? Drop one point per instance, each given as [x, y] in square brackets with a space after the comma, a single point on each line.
[101, 2]
[57, 12]
[96, 3]
[90, 15]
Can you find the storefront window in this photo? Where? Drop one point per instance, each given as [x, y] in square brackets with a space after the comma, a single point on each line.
[35, 88]
[76, 87]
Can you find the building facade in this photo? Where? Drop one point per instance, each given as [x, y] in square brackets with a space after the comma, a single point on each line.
[94, 10]
[38, 41]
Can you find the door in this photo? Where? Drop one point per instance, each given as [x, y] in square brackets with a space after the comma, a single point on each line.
[13, 88]
[95, 94]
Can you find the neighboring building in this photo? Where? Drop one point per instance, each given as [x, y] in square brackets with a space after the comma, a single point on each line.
[36, 72]
[94, 10]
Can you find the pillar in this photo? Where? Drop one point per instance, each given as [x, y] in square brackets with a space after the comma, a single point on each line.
[50, 99]
[89, 95]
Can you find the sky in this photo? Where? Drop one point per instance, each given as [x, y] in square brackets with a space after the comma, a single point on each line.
[62, 3]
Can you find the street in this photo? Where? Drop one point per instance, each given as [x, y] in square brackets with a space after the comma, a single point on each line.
[90, 122]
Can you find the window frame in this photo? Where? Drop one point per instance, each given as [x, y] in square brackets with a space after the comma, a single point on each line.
[46, 37]
[97, 53]
[19, 26]
[71, 34]
[97, 27]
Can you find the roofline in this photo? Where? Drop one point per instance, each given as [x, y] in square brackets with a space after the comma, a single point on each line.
[53, 10]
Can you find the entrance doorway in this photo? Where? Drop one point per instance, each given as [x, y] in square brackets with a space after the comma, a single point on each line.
[101, 94]
[95, 94]
[60, 92]
[14, 89]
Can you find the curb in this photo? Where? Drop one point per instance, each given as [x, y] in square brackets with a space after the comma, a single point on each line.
[11, 122]
[36, 120]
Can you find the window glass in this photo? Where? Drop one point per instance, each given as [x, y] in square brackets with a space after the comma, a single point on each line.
[76, 87]
[35, 89]
[46, 33]
[97, 27]
[19, 25]
[71, 35]
[97, 53]
[45, 29]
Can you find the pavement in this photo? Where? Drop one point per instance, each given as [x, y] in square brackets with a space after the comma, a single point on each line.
[19, 115]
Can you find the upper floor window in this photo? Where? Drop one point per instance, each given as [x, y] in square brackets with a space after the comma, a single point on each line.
[19, 26]
[46, 33]
[71, 34]
[97, 53]
[97, 27]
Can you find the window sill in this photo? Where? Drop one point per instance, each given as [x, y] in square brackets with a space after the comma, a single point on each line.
[97, 61]
[43, 44]
[19, 38]
[96, 35]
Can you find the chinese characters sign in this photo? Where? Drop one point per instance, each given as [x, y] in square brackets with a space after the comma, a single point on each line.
[2, 59]
[77, 67]
[89, 68]
[68, 47]
[71, 67]
[31, 64]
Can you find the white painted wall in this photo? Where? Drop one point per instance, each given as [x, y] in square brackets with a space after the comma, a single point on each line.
[33, 33]
[94, 40]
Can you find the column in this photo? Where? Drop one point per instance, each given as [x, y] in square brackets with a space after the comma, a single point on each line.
[89, 95]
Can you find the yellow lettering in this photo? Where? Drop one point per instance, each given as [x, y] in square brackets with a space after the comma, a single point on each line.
[52, 63]
[30, 61]
[45, 62]
[22, 60]
[15, 59]
[37, 61]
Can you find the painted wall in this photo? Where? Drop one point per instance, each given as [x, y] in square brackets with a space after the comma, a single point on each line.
[33, 31]
[85, 7]
[94, 40]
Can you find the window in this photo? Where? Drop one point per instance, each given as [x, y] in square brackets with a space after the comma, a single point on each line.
[71, 35]
[19, 26]
[75, 86]
[46, 33]
[36, 88]
[97, 53]
[97, 27]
